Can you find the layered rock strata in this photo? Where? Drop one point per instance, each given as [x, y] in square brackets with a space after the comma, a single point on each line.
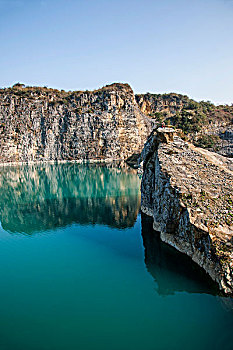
[41, 124]
[189, 193]
[45, 124]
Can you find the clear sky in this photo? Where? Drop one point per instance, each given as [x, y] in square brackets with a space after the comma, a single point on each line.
[154, 45]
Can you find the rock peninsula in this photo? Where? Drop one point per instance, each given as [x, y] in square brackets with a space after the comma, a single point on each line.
[189, 193]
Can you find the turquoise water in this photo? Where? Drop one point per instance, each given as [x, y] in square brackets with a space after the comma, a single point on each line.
[80, 268]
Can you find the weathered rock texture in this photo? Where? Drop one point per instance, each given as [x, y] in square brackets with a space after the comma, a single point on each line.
[189, 193]
[47, 124]
[172, 271]
[203, 123]
[110, 123]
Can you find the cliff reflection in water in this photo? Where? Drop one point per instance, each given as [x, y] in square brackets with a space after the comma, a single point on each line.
[172, 270]
[43, 197]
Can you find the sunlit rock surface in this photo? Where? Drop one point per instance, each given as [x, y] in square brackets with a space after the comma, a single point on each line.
[40, 124]
[189, 193]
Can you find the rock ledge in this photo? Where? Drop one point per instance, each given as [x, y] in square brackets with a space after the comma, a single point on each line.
[189, 193]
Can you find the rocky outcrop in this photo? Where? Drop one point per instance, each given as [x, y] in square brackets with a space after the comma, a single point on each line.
[189, 193]
[45, 124]
[203, 123]
[155, 105]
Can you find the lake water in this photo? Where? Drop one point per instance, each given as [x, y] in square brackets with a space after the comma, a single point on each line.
[81, 269]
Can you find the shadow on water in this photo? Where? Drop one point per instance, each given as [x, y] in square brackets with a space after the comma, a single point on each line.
[39, 198]
[44, 197]
[172, 270]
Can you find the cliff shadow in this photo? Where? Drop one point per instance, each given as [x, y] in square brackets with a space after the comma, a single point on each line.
[172, 270]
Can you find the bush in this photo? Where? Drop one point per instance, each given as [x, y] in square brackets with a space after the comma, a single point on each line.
[18, 85]
[208, 141]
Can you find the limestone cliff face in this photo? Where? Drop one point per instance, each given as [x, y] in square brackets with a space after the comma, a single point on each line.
[45, 124]
[189, 193]
[110, 123]
[168, 104]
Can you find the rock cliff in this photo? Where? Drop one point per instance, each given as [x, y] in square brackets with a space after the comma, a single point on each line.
[46, 124]
[38, 123]
[203, 123]
[172, 271]
[189, 193]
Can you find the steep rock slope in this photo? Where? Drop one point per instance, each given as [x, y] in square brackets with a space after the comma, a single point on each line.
[47, 124]
[189, 193]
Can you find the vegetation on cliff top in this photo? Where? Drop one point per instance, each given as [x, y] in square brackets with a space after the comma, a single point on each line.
[192, 117]
[22, 90]
[199, 121]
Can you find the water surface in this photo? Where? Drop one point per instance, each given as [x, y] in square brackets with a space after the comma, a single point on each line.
[81, 269]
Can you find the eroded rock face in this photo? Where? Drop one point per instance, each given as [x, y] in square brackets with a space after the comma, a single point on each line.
[172, 271]
[45, 124]
[189, 193]
[151, 104]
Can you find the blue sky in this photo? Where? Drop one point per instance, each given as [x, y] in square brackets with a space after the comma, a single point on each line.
[156, 46]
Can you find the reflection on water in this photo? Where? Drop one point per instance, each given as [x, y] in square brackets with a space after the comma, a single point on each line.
[172, 271]
[41, 197]
[85, 286]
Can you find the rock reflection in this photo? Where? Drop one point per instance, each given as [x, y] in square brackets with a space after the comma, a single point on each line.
[171, 270]
[43, 197]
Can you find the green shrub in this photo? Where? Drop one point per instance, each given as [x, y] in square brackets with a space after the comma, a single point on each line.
[208, 141]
